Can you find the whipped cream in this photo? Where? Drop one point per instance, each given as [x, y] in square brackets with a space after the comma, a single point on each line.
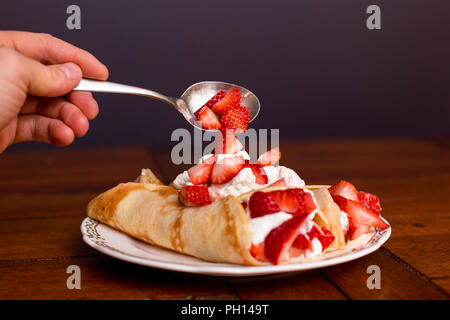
[262, 226]
[245, 180]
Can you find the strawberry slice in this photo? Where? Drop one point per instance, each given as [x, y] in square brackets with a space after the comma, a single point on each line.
[371, 201]
[219, 95]
[261, 204]
[257, 251]
[208, 119]
[230, 100]
[227, 169]
[236, 119]
[301, 242]
[295, 201]
[280, 239]
[326, 238]
[355, 232]
[226, 142]
[258, 172]
[194, 196]
[358, 214]
[270, 157]
[344, 189]
[279, 183]
[201, 172]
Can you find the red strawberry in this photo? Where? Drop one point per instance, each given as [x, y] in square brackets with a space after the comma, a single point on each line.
[344, 189]
[219, 95]
[270, 157]
[208, 119]
[259, 173]
[236, 119]
[200, 173]
[230, 100]
[257, 251]
[226, 142]
[226, 169]
[286, 200]
[305, 201]
[301, 242]
[358, 214]
[279, 240]
[371, 201]
[279, 183]
[326, 238]
[261, 204]
[193, 196]
[355, 232]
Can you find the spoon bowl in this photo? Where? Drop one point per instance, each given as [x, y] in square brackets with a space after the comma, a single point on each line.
[190, 101]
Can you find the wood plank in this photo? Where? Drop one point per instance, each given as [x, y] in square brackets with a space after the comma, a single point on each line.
[28, 206]
[298, 286]
[397, 281]
[71, 170]
[429, 254]
[104, 278]
[444, 283]
[42, 238]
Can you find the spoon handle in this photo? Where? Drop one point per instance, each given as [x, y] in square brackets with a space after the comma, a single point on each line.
[111, 87]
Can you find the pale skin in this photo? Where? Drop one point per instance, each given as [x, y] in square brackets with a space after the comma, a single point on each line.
[37, 75]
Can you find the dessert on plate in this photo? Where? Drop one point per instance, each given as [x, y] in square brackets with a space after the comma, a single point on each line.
[228, 209]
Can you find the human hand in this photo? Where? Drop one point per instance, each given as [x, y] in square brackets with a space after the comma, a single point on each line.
[37, 74]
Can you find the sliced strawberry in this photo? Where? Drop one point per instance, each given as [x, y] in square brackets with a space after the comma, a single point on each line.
[193, 196]
[270, 157]
[302, 242]
[226, 169]
[355, 232]
[261, 204]
[279, 183]
[236, 119]
[230, 100]
[226, 142]
[344, 189]
[201, 172]
[358, 214]
[314, 232]
[279, 240]
[257, 251]
[259, 173]
[326, 238]
[208, 119]
[371, 201]
[305, 201]
[219, 95]
[286, 200]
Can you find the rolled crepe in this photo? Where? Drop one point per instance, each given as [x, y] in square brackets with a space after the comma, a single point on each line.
[219, 232]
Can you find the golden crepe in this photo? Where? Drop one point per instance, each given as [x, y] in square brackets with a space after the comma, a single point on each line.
[221, 232]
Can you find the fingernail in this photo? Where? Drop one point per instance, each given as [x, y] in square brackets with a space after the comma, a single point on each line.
[70, 70]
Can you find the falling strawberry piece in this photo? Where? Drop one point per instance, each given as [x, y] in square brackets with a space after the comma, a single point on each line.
[236, 119]
[270, 157]
[194, 196]
[226, 169]
[371, 201]
[279, 183]
[279, 240]
[257, 251]
[226, 142]
[211, 102]
[258, 172]
[230, 100]
[344, 189]
[261, 204]
[200, 173]
[208, 119]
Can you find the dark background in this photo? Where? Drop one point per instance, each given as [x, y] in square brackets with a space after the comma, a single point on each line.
[316, 68]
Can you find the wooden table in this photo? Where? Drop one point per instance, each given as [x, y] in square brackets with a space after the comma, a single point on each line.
[43, 195]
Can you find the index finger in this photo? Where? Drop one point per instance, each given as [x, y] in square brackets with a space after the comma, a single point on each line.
[50, 50]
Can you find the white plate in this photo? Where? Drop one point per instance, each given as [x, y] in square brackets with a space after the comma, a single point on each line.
[121, 246]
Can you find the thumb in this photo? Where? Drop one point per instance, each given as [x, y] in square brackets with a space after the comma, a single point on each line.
[52, 80]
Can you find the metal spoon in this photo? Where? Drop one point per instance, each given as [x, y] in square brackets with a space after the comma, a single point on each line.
[190, 101]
